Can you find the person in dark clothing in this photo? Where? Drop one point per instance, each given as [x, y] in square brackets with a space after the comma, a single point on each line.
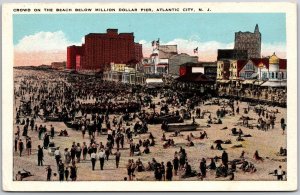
[28, 146]
[25, 131]
[122, 141]
[16, 144]
[146, 150]
[225, 158]
[61, 171]
[157, 173]
[46, 141]
[73, 172]
[32, 124]
[67, 173]
[52, 131]
[176, 164]
[107, 152]
[118, 156]
[212, 164]
[163, 170]
[21, 147]
[49, 173]
[203, 167]
[40, 156]
[188, 170]
[73, 152]
[169, 171]
[182, 159]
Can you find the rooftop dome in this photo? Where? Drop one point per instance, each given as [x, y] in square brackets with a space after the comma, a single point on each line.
[274, 59]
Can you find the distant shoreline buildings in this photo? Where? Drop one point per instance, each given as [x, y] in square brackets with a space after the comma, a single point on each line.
[103, 52]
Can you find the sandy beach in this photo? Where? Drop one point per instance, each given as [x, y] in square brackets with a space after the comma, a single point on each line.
[267, 143]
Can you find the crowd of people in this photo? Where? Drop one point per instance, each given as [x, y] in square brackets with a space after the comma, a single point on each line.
[114, 115]
[278, 95]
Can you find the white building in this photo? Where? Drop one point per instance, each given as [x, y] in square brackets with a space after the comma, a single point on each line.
[160, 57]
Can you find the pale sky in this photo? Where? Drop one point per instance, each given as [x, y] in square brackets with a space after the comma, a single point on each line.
[41, 39]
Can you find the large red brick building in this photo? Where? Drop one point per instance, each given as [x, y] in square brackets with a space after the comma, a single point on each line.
[72, 52]
[101, 49]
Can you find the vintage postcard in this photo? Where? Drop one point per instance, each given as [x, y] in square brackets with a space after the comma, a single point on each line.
[149, 97]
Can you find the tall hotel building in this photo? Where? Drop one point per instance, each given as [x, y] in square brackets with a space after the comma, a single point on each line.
[249, 41]
[102, 49]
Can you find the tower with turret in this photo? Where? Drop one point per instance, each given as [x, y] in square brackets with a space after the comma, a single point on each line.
[249, 41]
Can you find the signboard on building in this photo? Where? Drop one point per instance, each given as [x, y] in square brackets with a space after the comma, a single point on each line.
[197, 70]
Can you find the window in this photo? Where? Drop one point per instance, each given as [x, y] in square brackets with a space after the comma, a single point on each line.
[264, 75]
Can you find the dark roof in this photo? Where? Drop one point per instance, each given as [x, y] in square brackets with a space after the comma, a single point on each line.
[241, 64]
[232, 54]
[195, 77]
[282, 63]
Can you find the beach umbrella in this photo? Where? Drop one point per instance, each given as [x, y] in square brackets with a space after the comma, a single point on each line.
[218, 141]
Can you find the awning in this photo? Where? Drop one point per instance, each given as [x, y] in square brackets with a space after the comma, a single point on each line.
[223, 81]
[274, 84]
[154, 81]
[258, 82]
[248, 82]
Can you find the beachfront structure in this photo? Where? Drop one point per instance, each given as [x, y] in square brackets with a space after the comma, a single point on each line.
[223, 67]
[123, 73]
[176, 60]
[159, 59]
[101, 49]
[255, 69]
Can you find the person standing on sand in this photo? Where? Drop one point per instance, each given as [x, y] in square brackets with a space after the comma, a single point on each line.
[203, 167]
[129, 170]
[21, 147]
[83, 129]
[280, 173]
[67, 173]
[118, 156]
[49, 173]
[57, 155]
[84, 151]
[225, 158]
[93, 160]
[28, 146]
[101, 158]
[169, 171]
[16, 144]
[52, 131]
[73, 171]
[176, 164]
[61, 171]
[40, 156]
[283, 126]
